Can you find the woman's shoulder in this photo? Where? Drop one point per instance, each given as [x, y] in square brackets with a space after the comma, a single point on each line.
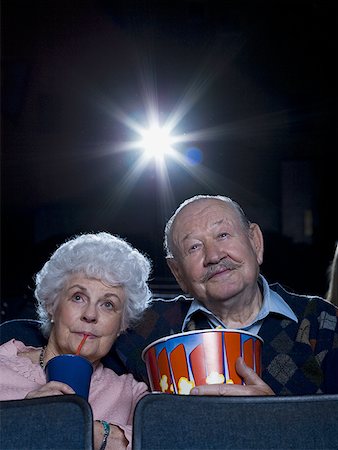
[16, 361]
[12, 347]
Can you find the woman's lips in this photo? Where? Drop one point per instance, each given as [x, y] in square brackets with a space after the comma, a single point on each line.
[89, 335]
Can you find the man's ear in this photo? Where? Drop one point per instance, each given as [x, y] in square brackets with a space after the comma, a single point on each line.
[176, 271]
[257, 241]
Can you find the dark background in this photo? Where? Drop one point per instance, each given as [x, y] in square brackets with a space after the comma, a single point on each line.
[260, 74]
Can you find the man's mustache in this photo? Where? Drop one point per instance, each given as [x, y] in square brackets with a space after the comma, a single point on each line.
[224, 264]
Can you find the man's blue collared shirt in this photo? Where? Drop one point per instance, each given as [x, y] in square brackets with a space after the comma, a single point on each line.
[272, 303]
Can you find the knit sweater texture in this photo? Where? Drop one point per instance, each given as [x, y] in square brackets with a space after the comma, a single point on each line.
[297, 358]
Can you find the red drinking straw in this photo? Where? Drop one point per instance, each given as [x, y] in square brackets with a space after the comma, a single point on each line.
[81, 344]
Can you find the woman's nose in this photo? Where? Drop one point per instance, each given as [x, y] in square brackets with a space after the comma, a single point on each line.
[90, 314]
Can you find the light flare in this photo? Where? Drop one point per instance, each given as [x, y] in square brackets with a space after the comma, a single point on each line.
[156, 142]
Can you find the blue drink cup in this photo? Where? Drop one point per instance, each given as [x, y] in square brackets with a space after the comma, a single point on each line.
[73, 370]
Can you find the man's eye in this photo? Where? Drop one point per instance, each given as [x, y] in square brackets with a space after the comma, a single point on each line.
[77, 297]
[194, 247]
[223, 235]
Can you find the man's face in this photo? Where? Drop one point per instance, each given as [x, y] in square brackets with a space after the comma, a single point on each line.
[216, 258]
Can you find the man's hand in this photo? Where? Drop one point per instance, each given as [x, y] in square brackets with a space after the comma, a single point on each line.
[51, 388]
[254, 385]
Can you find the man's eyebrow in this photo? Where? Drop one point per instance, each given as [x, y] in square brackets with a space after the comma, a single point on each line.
[218, 222]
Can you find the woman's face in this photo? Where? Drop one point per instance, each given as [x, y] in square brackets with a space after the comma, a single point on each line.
[87, 306]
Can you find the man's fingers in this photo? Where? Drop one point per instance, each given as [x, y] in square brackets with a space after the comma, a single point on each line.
[249, 375]
[219, 390]
[253, 384]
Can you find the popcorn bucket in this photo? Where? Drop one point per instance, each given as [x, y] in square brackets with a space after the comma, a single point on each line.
[177, 363]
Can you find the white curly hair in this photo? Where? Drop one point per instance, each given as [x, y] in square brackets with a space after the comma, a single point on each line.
[102, 256]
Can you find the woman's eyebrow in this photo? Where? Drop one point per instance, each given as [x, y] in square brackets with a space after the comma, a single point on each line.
[77, 286]
[84, 289]
[112, 294]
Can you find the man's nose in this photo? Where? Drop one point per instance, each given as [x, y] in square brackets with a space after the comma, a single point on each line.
[90, 313]
[213, 253]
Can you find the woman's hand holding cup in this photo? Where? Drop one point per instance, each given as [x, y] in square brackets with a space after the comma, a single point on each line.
[51, 388]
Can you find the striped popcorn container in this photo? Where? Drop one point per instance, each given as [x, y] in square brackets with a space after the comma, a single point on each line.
[177, 363]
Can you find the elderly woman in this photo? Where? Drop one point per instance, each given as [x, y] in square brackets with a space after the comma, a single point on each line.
[94, 285]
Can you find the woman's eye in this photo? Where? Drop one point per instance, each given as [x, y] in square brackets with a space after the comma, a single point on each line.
[223, 235]
[109, 305]
[77, 297]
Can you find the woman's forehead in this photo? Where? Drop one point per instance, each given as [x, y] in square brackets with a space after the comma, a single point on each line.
[82, 278]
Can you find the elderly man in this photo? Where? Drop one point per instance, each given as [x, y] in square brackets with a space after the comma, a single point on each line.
[215, 254]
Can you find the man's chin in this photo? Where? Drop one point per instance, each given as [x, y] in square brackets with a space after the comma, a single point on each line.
[222, 293]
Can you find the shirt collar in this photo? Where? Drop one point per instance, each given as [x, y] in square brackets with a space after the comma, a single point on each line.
[272, 303]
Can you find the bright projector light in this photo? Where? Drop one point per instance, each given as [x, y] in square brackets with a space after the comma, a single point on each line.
[156, 142]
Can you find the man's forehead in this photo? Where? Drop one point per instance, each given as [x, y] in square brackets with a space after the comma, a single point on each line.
[213, 211]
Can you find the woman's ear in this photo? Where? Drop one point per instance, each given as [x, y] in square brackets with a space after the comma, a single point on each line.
[50, 308]
[177, 272]
[257, 241]
[50, 312]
